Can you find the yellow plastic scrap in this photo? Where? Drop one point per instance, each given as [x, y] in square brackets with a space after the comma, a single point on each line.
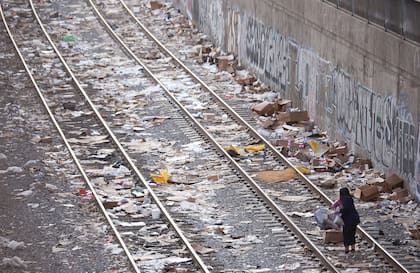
[162, 177]
[254, 148]
[232, 148]
[303, 169]
[314, 145]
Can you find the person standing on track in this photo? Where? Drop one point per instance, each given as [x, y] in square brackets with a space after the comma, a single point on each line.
[350, 218]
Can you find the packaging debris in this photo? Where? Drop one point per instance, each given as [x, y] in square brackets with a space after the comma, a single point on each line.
[201, 249]
[12, 244]
[15, 261]
[292, 117]
[393, 181]
[226, 63]
[155, 5]
[254, 148]
[415, 233]
[277, 176]
[366, 192]
[333, 236]
[162, 177]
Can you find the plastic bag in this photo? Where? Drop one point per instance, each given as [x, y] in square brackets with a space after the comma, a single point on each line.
[326, 219]
[338, 221]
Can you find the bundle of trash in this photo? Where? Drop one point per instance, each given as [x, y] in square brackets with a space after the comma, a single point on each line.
[328, 219]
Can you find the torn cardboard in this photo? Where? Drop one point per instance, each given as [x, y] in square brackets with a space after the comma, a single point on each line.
[277, 176]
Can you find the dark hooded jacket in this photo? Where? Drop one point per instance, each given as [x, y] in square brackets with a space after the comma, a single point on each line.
[349, 212]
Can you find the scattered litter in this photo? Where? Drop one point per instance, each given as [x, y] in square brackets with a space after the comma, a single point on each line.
[51, 187]
[13, 169]
[33, 205]
[131, 224]
[12, 244]
[14, 262]
[69, 38]
[162, 177]
[292, 266]
[277, 176]
[25, 193]
[201, 249]
[120, 171]
[254, 148]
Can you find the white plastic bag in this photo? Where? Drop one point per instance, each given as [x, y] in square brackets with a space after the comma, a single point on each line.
[338, 221]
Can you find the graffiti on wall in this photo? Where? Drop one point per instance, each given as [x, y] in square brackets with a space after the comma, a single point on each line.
[417, 184]
[212, 12]
[381, 125]
[266, 50]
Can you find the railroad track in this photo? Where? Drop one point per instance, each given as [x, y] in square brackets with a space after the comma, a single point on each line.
[90, 141]
[234, 172]
[114, 19]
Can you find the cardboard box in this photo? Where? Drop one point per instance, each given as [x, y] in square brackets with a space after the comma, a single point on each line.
[415, 232]
[155, 5]
[400, 193]
[226, 63]
[283, 104]
[205, 50]
[265, 108]
[338, 150]
[394, 181]
[292, 116]
[366, 193]
[315, 162]
[333, 236]
[245, 80]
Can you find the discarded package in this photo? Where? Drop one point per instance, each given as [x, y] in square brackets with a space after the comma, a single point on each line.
[254, 148]
[393, 181]
[162, 177]
[226, 63]
[277, 176]
[155, 5]
[325, 219]
[333, 236]
[291, 117]
[265, 108]
[399, 194]
[121, 170]
[415, 232]
[303, 169]
[232, 149]
[366, 193]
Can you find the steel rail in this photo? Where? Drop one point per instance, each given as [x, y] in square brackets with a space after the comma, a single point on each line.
[250, 180]
[122, 150]
[67, 144]
[397, 265]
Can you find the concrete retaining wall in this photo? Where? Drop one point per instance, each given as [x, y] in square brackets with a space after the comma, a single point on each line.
[357, 81]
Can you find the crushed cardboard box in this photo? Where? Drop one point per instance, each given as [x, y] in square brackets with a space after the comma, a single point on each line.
[277, 176]
[292, 117]
[333, 236]
[226, 63]
[393, 181]
[155, 5]
[366, 193]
